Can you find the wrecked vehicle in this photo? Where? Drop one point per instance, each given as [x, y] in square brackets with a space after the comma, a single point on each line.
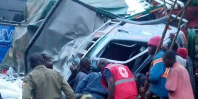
[125, 44]
[61, 33]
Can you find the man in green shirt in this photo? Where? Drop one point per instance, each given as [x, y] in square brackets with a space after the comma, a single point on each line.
[43, 83]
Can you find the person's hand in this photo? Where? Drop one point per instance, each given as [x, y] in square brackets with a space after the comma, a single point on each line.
[144, 95]
[78, 95]
[171, 36]
[147, 94]
[147, 74]
[73, 68]
[142, 89]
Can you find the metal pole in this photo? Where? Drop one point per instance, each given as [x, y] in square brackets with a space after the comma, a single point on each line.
[11, 24]
[146, 61]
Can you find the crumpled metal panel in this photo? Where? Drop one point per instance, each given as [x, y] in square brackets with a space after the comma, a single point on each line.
[68, 27]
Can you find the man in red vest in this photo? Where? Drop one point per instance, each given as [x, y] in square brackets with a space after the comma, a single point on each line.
[118, 79]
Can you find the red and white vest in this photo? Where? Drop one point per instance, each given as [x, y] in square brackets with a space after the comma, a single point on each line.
[125, 84]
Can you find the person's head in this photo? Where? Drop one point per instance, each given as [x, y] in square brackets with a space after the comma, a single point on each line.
[47, 60]
[85, 64]
[101, 64]
[169, 58]
[175, 47]
[153, 44]
[183, 52]
[171, 36]
[36, 60]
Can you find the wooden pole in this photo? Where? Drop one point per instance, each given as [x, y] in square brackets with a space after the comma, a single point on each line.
[179, 28]
[165, 8]
[179, 24]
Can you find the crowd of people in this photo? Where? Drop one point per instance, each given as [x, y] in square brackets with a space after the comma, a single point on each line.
[170, 78]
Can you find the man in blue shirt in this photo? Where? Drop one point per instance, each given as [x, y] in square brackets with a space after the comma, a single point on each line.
[91, 84]
[156, 76]
[84, 71]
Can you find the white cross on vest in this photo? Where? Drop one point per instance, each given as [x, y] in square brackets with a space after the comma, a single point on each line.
[123, 72]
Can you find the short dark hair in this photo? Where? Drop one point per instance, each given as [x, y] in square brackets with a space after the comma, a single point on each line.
[36, 59]
[175, 46]
[83, 62]
[103, 61]
[170, 54]
[43, 55]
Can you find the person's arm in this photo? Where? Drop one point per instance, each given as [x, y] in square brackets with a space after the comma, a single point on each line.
[171, 84]
[111, 87]
[110, 82]
[69, 93]
[72, 77]
[83, 75]
[82, 84]
[27, 88]
[156, 71]
[183, 39]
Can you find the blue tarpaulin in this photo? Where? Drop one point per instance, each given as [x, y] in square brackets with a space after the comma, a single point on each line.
[6, 37]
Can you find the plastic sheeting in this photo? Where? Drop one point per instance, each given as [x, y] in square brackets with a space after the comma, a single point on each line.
[11, 90]
[36, 10]
[120, 7]
[113, 6]
[11, 85]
